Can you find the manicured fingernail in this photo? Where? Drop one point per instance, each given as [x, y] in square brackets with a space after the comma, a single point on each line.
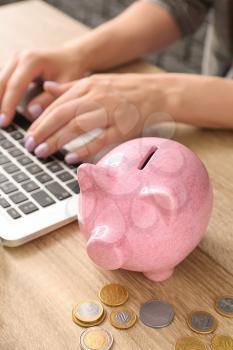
[30, 143]
[35, 110]
[72, 158]
[2, 119]
[42, 150]
[51, 84]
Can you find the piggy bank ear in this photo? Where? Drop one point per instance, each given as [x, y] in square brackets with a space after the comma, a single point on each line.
[162, 196]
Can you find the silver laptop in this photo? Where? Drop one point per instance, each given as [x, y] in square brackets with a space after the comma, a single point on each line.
[36, 196]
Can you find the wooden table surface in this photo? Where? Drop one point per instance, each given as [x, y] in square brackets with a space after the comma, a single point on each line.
[40, 281]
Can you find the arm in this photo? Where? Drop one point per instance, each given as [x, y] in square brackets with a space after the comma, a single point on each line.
[200, 101]
[144, 27]
[131, 103]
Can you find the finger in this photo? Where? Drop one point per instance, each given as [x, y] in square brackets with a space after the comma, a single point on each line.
[76, 127]
[55, 89]
[5, 74]
[16, 87]
[108, 137]
[49, 123]
[71, 94]
[38, 104]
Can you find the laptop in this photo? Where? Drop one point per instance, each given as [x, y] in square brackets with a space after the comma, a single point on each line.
[36, 195]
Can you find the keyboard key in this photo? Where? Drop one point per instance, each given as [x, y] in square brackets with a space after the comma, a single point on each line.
[43, 198]
[5, 144]
[3, 159]
[58, 191]
[24, 160]
[43, 178]
[60, 154]
[17, 135]
[55, 167]
[11, 168]
[13, 213]
[15, 152]
[46, 160]
[20, 177]
[18, 197]
[30, 186]
[74, 186]
[4, 203]
[2, 137]
[34, 169]
[21, 142]
[65, 176]
[8, 187]
[10, 128]
[28, 207]
[21, 121]
[3, 178]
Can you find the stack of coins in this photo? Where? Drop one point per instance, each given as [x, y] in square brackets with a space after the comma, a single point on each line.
[88, 313]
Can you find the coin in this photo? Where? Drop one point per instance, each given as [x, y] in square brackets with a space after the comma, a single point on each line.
[113, 294]
[96, 338]
[89, 324]
[123, 318]
[224, 305]
[222, 342]
[156, 313]
[88, 311]
[202, 322]
[189, 343]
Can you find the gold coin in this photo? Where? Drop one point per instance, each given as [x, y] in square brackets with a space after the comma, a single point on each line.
[96, 339]
[113, 294]
[88, 311]
[222, 342]
[189, 343]
[89, 324]
[224, 305]
[202, 322]
[123, 318]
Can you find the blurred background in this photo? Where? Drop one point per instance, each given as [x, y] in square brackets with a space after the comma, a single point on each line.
[185, 56]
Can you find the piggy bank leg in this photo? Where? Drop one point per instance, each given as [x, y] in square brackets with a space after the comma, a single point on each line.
[159, 276]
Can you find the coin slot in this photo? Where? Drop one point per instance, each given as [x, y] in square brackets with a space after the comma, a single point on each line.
[148, 157]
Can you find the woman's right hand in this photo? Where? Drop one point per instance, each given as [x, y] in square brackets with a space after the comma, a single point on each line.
[58, 65]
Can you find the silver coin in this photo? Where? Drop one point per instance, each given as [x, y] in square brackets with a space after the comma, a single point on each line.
[226, 304]
[156, 314]
[88, 309]
[122, 317]
[202, 321]
[107, 334]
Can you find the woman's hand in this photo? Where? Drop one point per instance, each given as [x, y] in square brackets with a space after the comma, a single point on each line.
[120, 104]
[59, 65]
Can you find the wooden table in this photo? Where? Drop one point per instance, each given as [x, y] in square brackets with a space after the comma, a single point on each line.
[39, 282]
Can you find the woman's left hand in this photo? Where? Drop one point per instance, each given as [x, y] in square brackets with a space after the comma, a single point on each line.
[119, 104]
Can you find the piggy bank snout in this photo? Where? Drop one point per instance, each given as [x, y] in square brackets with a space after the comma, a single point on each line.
[105, 254]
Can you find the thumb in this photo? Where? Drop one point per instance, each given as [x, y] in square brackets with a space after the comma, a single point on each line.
[56, 89]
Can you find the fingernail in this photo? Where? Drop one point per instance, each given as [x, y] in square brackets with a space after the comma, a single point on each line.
[42, 150]
[2, 119]
[35, 110]
[72, 158]
[51, 84]
[30, 143]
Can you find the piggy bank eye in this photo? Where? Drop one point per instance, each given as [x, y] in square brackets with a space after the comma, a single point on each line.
[143, 213]
[114, 160]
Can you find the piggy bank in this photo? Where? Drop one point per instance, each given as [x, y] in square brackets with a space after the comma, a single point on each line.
[144, 206]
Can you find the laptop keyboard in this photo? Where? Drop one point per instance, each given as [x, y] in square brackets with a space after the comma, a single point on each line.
[28, 184]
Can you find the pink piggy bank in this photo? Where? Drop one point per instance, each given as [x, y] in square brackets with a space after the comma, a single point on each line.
[144, 207]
